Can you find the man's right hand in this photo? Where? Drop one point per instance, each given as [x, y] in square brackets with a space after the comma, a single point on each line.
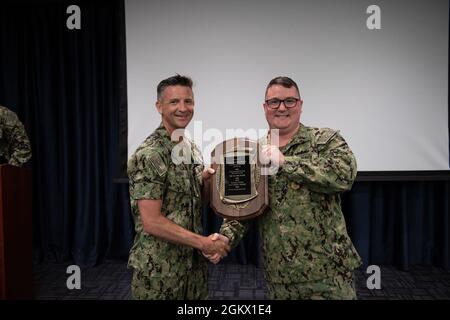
[215, 247]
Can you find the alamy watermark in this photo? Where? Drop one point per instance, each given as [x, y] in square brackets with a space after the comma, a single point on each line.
[208, 139]
[374, 280]
[74, 280]
[373, 22]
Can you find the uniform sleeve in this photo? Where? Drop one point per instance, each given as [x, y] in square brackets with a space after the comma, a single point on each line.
[19, 143]
[331, 167]
[233, 230]
[147, 173]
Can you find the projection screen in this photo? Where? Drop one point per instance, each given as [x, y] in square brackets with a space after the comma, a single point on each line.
[385, 89]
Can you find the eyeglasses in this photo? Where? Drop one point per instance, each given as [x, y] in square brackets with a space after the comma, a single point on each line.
[275, 103]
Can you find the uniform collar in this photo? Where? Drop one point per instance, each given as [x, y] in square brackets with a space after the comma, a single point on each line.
[162, 132]
[165, 136]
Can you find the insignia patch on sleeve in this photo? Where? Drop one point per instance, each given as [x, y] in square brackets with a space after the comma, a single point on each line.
[158, 164]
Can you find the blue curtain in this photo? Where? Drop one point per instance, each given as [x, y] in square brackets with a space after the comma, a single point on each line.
[65, 86]
[400, 223]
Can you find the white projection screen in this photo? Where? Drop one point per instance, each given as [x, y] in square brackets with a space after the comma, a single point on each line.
[385, 89]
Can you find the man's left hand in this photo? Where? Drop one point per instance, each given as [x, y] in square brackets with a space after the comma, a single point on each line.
[207, 173]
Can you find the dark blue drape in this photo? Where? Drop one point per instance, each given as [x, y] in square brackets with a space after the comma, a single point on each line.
[400, 223]
[67, 86]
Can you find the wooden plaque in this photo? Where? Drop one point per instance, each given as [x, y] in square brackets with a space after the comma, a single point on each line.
[238, 190]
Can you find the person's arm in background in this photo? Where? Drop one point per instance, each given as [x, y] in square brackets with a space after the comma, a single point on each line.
[19, 143]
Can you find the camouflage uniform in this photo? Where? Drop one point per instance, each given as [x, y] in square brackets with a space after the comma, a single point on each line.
[14, 144]
[307, 251]
[163, 270]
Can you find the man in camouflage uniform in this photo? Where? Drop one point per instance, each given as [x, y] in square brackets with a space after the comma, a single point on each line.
[307, 251]
[166, 205]
[14, 144]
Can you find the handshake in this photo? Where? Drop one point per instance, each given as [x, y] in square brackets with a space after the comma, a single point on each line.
[215, 247]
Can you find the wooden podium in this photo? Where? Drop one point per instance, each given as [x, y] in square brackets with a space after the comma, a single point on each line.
[16, 278]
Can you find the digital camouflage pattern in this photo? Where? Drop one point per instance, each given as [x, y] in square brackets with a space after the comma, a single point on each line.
[340, 287]
[15, 147]
[163, 270]
[304, 233]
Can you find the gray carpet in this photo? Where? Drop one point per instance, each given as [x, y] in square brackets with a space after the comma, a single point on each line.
[111, 280]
